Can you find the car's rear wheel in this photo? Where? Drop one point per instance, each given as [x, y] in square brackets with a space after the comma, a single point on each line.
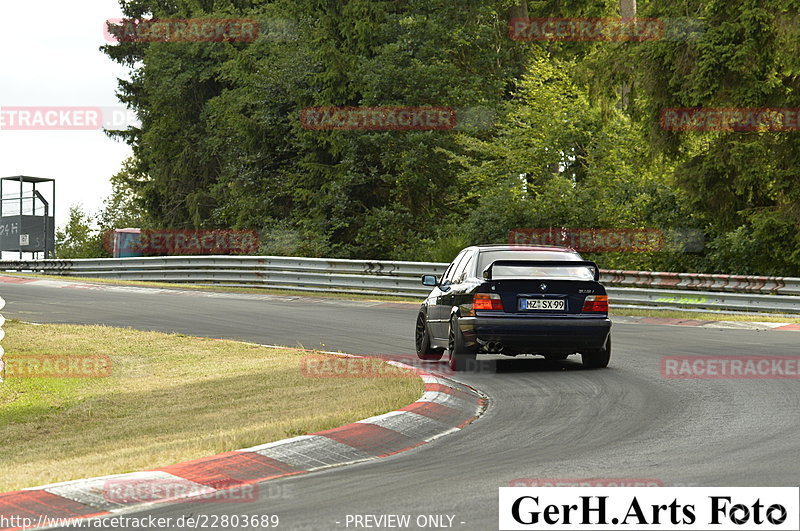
[599, 358]
[460, 358]
[423, 341]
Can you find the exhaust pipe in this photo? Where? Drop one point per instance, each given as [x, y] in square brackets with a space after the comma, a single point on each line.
[495, 347]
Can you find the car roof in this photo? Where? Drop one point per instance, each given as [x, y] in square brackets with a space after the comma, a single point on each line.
[513, 247]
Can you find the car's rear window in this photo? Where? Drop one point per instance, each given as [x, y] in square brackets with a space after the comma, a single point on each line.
[499, 272]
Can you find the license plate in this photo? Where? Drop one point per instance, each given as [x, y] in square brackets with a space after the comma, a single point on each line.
[542, 304]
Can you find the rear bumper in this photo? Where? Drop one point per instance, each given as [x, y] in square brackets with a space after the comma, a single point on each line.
[535, 335]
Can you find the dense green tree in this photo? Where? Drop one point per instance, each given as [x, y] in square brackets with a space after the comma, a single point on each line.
[543, 136]
[78, 238]
[221, 143]
[558, 162]
[745, 185]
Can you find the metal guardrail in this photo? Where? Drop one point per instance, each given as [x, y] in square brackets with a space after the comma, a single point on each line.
[369, 277]
[698, 292]
[703, 282]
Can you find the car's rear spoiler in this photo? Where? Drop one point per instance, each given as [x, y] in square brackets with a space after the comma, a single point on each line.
[487, 273]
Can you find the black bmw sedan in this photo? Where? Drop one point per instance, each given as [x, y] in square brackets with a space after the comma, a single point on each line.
[512, 300]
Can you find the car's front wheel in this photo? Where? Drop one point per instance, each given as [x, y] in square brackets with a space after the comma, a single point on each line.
[460, 358]
[597, 359]
[423, 341]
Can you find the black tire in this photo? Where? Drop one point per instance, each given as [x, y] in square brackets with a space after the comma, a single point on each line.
[422, 339]
[556, 357]
[597, 359]
[459, 357]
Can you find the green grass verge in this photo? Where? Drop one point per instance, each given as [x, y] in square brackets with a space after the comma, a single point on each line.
[169, 398]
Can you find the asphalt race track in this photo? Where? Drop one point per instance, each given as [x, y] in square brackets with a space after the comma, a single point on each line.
[545, 420]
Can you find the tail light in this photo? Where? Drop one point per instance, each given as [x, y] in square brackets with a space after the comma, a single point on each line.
[487, 301]
[595, 303]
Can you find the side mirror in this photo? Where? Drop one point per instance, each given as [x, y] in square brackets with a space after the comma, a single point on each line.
[429, 280]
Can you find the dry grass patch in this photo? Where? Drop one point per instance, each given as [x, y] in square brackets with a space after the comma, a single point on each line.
[169, 398]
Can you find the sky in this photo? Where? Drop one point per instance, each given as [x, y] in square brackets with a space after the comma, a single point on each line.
[50, 57]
